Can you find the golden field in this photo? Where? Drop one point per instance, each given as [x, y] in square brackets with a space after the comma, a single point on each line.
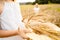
[46, 22]
[49, 12]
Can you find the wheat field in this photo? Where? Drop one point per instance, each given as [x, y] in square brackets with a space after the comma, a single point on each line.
[48, 16]
[51, 12]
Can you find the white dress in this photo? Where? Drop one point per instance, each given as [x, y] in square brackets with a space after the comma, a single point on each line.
[36, 10]
[10, 18]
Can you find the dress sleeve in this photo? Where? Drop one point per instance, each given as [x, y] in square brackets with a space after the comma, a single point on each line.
[19, 16]
[18, 12]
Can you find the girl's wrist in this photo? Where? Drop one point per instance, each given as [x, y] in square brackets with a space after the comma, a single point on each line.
[16, 32]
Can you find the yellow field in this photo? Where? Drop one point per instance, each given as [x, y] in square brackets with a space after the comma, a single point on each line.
[51, 12]
[48, 13]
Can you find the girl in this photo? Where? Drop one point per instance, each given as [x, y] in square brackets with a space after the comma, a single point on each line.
[36, 9]
[11, 25]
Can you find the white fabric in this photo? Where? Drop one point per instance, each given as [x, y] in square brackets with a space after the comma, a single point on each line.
[10, 18]
[36, 10]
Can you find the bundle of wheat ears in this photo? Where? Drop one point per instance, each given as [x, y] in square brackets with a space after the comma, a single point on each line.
[46, 30]
[42, 30]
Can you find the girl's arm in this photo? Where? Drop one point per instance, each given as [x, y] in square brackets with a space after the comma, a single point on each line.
[9, 33]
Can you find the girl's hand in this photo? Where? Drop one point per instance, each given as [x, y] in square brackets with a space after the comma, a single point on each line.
[28, 30]
[22, 33]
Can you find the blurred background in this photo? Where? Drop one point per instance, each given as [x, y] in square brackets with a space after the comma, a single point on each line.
[51, 8]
